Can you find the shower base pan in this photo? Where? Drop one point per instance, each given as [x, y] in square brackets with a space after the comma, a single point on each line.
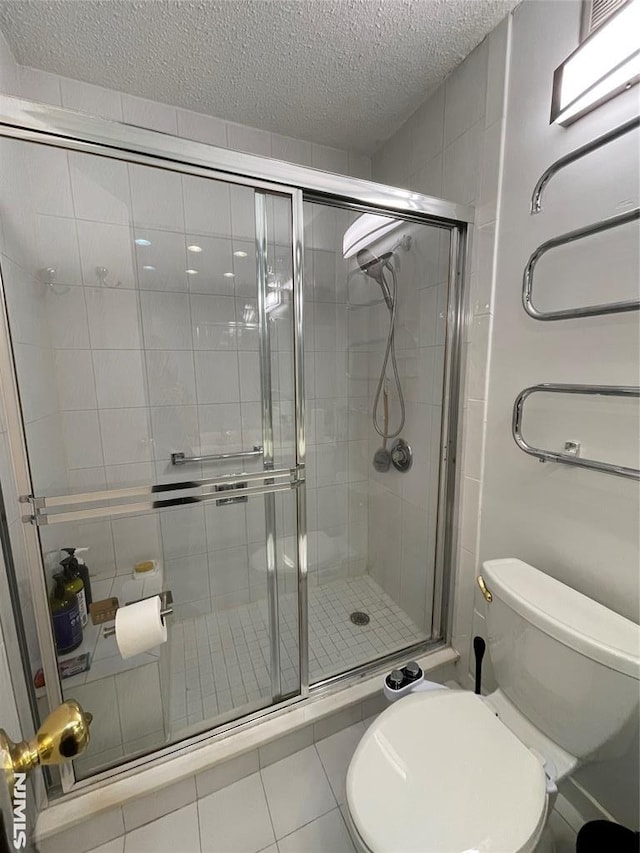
[221, 661]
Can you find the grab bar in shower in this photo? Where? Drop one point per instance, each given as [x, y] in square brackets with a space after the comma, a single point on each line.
[554, 168]
[563, 239]
[181, 459]
[568, 458]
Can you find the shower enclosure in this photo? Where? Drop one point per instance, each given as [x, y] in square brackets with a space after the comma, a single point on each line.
[203, 355]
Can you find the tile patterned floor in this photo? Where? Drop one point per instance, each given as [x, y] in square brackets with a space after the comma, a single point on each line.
[220, 662]
[293, 806]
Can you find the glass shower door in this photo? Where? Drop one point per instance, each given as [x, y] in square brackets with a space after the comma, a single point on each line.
[152, 322]
[376, 304]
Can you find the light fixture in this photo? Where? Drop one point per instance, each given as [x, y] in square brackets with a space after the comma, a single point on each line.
[191, 272]
[194, 248]
[140, 241]
[229, 275]
[605, 64]
[149, 267]
[240, 254]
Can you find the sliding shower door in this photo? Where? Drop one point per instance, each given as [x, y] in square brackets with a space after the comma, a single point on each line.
[151, 315]
[377, 296]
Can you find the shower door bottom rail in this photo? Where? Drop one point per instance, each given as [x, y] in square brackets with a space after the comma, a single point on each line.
[59, 509]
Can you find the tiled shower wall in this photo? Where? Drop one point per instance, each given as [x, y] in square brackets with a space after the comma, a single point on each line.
[337, 498]
[114, 322]
[452, 147]
[107, 103]
[348, 323]
[53, 326]
[14, 703]
[403, 505]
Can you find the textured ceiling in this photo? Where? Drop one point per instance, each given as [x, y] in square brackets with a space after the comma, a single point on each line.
[339, 72]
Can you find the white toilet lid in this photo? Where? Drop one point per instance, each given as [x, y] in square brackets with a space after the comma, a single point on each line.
[439, 773]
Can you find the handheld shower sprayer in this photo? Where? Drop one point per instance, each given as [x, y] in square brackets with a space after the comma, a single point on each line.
[374, 267]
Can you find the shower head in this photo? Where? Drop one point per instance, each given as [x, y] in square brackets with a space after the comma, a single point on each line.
[373, 266]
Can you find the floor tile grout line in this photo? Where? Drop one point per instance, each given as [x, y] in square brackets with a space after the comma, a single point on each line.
[324, 770]
[197, 801]
[308, 823]
[346, 826]
[266, 799]
[164, 814]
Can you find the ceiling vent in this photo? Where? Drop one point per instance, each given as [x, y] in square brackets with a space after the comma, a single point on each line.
[595, 13]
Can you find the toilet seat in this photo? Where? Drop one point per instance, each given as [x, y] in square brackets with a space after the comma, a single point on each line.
[440, 773]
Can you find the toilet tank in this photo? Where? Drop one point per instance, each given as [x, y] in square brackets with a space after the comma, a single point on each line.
[569, 664]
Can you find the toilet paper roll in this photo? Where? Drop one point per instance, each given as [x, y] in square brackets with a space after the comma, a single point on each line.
[139, 627]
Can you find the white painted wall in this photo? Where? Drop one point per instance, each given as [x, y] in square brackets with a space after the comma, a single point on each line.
[579, 526]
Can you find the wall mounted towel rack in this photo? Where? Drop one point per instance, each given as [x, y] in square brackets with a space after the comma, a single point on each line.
[563, 239]
[554, 168]
[568, 458]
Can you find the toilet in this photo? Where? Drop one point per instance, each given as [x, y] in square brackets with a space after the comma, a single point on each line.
[448, 771]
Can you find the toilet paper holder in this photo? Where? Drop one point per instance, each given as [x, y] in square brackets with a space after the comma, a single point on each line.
[166, 609]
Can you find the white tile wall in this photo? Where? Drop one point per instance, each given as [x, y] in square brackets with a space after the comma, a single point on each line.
[149, 114]
[105, 394]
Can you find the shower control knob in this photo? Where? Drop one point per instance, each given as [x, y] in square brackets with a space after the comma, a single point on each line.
[412, 671]
[395, 679]
[401, 455]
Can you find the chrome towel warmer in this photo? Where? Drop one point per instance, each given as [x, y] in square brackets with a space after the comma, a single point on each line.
[586, 231]
[571, 456]
[563, 239]
[554, 168]
[568, 458]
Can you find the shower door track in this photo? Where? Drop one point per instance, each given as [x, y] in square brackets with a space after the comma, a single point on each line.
[70, 130]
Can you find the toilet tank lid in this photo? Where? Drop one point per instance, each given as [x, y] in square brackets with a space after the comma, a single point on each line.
[566, 614]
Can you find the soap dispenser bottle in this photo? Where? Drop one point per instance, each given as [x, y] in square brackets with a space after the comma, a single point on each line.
[73, 584]
[67, 626]
[83, 571]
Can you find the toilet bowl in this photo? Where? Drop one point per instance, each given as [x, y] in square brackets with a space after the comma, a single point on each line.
[448, 771]
[439, 772]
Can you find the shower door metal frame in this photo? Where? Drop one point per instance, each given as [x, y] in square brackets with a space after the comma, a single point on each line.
[71, 130]
[266, 391]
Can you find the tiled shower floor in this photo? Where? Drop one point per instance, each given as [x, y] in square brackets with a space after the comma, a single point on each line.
[220, 662]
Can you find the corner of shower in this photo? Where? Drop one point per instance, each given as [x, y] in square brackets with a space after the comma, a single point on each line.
[235, 372]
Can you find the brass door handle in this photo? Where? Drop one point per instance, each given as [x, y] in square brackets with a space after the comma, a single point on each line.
[62, 736]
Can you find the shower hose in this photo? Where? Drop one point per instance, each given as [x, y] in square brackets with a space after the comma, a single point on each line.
[390, 353]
